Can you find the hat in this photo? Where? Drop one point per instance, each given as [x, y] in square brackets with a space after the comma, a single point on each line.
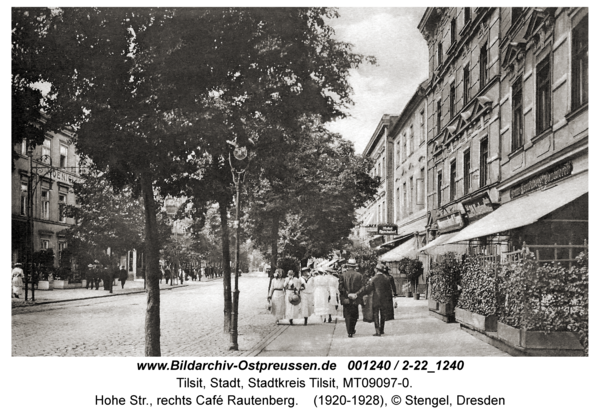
[382, 267]
[18, 264]
[306, 269]
[351, 263]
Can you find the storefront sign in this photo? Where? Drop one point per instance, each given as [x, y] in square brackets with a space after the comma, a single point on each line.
[387, 229]
[62, 176]
[377, 241]
[450, 222]
[542, 180]
[479, 206]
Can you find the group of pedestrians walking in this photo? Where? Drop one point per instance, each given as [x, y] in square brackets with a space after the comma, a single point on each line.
[321, 292]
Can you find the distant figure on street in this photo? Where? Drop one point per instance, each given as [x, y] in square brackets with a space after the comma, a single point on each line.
[351, 282]
[106, 278]
[17, 280]
[307, 295]
[89, 279]
[293, 305]
[167, 275]
[384, 289]
[276, 296]
[122, 276]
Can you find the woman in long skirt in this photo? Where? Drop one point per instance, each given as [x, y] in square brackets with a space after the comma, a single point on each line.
[321, 295]
[307, 295]
[277, 296]
[293, 285]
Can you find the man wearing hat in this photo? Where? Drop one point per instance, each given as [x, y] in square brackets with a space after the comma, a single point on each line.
[350, 282]
[384, 289]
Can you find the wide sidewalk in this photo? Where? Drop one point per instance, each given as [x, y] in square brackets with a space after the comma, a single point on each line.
[66, 295]
[413, 333]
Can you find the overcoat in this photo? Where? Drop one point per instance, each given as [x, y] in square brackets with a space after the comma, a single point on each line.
[383, 289]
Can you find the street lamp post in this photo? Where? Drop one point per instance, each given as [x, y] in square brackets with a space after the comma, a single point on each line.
[172, 207]
[240, 153]
[29, 238]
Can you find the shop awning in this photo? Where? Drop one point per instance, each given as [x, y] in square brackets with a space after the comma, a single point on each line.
[438, 241]
[406, 249]
[525, 210]
[414, 227]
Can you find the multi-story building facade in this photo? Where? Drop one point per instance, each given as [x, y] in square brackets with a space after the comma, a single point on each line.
[544, 134]
[380, 211]
[55, 170]
[526, 128]
[463, 101]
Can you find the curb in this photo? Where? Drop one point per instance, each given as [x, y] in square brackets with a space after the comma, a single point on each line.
[94, 297]
[257, 349]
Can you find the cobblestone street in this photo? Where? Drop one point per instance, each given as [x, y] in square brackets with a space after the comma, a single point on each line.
[191, 323]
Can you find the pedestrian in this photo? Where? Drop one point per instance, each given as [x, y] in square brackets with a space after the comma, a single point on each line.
[50, 280]
[384, 289]
[89, 279]
[167, 274]
[293, 306]
[97, 275]
[351, 282]
[106, 278]
[17, 280]
[307, 295]
[334, 293]
[276, 296]
[122, 276]
[321, 294]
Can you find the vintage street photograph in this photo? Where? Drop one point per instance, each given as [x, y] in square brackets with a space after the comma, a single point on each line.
[299, 182]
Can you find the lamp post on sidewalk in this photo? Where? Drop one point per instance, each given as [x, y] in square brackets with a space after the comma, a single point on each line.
[172, 207]
[240, 154]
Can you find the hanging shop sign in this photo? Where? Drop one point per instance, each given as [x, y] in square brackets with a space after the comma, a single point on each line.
[478, 207]
[376, 242]
[62, 176]
[387, 229]
[450, 222]
[542, 180]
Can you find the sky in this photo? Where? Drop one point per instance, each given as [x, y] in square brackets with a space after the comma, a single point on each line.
[391, 35]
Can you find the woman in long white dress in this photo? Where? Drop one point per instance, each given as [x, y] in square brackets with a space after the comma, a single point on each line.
[334, 295]
[307, 295]
[277, 296]
[292, 284]
[321, 295]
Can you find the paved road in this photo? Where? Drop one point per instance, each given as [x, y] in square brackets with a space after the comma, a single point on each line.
[191, 323]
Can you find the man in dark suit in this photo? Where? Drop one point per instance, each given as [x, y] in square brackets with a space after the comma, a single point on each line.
[350, 282]
[384, 289]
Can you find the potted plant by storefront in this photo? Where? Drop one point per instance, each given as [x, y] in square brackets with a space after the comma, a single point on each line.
[476, 307]
[543, 308]
[413, 269]
[444, 278]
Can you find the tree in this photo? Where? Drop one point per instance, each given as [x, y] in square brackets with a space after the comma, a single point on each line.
[143, 86]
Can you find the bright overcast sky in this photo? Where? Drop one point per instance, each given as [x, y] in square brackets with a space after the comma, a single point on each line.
[391, 35]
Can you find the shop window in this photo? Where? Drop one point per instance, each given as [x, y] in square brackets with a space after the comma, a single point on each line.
[64, 150]
[452, 100]
[46, 150]
[579, 65]
[438, 114]
[45, 204]
[439, 189]
[467, 171]
[422, 126]
[467, 15]
[483, 66]
[543, 95]
[62, 204]
[23, 207]
[453, 180]
[517, 113]
[466, 84]
[483, 166]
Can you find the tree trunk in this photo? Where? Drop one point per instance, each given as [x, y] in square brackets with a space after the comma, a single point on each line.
[226, 269]
[152, 325]
[274, 240]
